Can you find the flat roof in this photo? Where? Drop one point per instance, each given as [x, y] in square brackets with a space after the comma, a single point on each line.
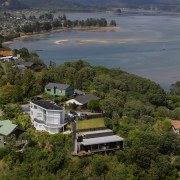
[47, 105]
[95, 132]
[101, 140]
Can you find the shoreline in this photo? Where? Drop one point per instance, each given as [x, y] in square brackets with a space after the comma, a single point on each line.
[100, 41]
[92, 29]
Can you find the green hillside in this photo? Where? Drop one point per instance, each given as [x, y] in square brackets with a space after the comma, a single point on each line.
[100, 3]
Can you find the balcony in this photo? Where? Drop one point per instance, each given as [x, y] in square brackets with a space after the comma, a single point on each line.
[48, 124]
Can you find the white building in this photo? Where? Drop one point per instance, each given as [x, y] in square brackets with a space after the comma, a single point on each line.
[47, 116]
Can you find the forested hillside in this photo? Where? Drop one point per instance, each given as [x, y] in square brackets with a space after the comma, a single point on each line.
[100, 3]
[12, 4]
[135, 108]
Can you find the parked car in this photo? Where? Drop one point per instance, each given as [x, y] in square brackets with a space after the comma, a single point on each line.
[72, 113]
[83, 116]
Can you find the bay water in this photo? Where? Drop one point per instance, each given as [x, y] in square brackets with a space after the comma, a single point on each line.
[144, 44]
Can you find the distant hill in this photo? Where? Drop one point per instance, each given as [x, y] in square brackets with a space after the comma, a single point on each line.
[99, 4]
[12, 4]
[90, 4]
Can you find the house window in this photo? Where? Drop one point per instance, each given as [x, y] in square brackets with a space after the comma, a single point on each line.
[35, 107]
[48, 89]
[61, 118]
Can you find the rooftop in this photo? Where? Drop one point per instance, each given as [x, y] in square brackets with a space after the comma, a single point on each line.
[6, 53]
[47, 105]
[26, 64]
[96, 132]
[57, 85]
[101, 140]
[7, 127]
[86, 98]
[6, 57]
[79, 92]
[175, 124]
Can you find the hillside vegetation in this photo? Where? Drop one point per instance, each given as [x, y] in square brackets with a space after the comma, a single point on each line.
[137, 109]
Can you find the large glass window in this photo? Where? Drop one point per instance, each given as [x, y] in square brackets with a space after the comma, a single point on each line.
[61, 118]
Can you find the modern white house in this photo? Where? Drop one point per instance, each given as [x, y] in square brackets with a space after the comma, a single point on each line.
[47, 116]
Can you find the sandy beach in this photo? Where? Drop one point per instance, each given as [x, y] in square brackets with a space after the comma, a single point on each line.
[93, 29]
[100, 41]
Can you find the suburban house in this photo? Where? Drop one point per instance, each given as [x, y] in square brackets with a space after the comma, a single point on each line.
[47, 116]
[56, 89]
[7, 59]
[6, 128]
[90, 142]
[5, 53]
[28, 65]
[79, 92]
[82, 100]
[175, 124]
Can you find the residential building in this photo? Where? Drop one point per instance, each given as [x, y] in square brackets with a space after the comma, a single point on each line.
[28, 65]
[7, 59]
[87, 143]
[175, 124]
[79, 92]
[47, 116]
[6, 128]
[82, 100]
[5, 53]
[56, 89]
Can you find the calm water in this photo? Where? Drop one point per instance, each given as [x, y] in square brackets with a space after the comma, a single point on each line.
[156, 58]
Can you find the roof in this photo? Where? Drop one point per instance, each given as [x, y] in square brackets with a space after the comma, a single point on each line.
[102, 140]
[79, 92]
[84, 99]
[6, 57]
[58, 86]
[7, 127]
[26, 64]
[47, 105]
[6, 53]
[175, 124]
[96, 132]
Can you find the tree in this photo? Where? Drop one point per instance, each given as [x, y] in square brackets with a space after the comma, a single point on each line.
[28, 83]
[93, 105]
[36, 27]
[10, 111]
[56, 23]
[112, 23]
[46, 26]
[1, 40]
[6, 93]
[113, 103]
[98, 166]
[175, 88]
[24, 53]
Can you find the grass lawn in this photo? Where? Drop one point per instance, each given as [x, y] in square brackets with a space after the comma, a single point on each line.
[91, 123]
